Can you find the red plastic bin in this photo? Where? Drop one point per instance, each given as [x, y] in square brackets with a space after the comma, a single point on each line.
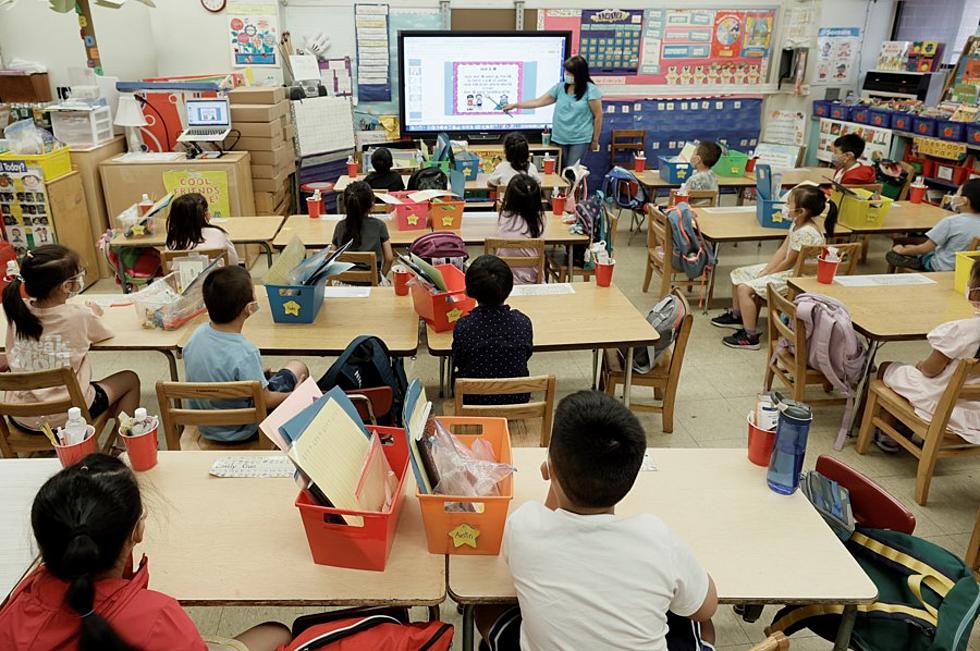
[443, 310]
[366, 547]
[410, 216]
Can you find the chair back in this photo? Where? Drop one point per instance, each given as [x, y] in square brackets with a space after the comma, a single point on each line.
[543, 409]
[698, 198]
[910, 174]
[494, 245]
[872, 505]
[784, 324]
[358, 274]
[959, 388]
[174, 416]
[168, 256]
[658, 232]
[373, 403]
[973, 551]
[62, 377]
[806, 261]
[775, 642]
[626, 140]
[974, 244]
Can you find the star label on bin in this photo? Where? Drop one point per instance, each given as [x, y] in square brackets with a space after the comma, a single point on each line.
[447, 221]
[464, 534]
[291, 308]
[139, 229]
[681, 173]
[413, 220]
[453, 315]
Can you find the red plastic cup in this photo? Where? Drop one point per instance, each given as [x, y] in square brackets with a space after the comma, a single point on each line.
[604, 273]
[558, 205]
[917, 193]
[69, 455]
[401, 282]
[826, 270]
[760, 444]
[352, 169]
[681, 198]
[639, 164]
[750, 165]
[549, 165]
[313, 207]
[142, 450]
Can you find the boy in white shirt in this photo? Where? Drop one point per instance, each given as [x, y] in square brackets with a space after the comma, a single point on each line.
[585, 578]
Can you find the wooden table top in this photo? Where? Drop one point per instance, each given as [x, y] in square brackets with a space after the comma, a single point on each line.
[592, 317]
[20, 480]
[896, 312]
[384, 315]
[217, 541]
[820, 175]
[477, 227]
[739, 224]
[906, 217]
[758, 546]
[548, 181]
[241, 230]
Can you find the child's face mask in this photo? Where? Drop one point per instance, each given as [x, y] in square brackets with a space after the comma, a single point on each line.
[839, 159]
[252, 308]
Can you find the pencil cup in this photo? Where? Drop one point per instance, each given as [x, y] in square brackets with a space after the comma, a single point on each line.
[69, 455]
[313, 207]
[639, 163]
[826, 270]
[760, 443]
[401, 281]
[545, 138]
[558, 205]
[352, 170]
[548, 165]
[681, 198]
[917, 193]
[604, 273]
[142, 450]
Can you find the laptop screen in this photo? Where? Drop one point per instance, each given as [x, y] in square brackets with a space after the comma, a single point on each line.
[207, 113]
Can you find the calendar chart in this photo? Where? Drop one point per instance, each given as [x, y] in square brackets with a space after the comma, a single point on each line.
[611, 40]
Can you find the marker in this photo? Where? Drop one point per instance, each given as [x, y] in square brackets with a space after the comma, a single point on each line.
[500, 107]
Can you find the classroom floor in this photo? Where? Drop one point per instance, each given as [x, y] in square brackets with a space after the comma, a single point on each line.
[717, 389]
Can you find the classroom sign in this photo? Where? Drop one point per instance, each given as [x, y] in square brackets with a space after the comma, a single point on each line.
[24, 206]
[837, 52]
[254, 39]
[213, 185]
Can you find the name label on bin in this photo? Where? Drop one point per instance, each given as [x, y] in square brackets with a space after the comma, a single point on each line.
[464, 534]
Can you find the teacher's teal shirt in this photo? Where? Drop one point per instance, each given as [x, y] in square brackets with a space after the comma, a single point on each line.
[573, 121]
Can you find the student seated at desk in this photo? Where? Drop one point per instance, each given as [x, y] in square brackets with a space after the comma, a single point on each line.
[369, 233]
[382, 178]
[946, 238]
[86, 594]
[217, 352]
[805, 203]
[189, 227]
[585, 578]
[706, 156]
[848, 149]
[47, 332]
[521, 217]
[493, 340]
[517, 155]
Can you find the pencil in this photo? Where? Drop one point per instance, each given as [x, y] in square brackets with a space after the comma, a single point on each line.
[48, 433]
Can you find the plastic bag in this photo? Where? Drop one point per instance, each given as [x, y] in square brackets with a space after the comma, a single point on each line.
[471, 472]
[23, 137]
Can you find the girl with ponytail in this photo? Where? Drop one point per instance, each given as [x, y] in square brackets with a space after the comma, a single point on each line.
[86, 595]
[367, 232]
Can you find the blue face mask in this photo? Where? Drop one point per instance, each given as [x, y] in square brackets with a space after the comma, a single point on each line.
[569, 78]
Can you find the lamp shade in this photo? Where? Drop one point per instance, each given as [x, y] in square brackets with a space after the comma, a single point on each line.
[129, 113]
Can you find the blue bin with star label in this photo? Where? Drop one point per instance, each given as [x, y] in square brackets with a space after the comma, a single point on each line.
[295, 303]
[675, 170]
[769, 203]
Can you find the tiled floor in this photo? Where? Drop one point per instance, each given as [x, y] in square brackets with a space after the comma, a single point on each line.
[717, 390]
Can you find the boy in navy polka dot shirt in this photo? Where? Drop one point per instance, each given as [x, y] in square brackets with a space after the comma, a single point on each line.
[492, 341]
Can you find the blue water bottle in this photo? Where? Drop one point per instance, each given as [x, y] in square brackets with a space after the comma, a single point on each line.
[790, 446]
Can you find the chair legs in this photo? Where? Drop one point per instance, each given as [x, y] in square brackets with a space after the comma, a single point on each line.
[927, 466]
[648, 276]
[867, 423]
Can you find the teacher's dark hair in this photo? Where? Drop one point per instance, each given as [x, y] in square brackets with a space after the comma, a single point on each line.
[579, 68]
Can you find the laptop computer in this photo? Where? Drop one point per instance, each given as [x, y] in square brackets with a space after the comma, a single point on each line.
[208, 120]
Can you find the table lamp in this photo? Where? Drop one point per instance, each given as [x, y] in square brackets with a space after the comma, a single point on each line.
[129, 114]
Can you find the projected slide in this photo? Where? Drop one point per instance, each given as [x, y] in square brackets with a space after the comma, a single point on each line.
[485, 87]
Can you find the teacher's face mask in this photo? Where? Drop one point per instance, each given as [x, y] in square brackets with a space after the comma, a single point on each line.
[569, 78]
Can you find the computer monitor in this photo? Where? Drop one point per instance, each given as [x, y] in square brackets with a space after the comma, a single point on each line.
[208, 113]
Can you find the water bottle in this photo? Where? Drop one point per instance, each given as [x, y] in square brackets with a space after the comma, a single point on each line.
[75, 429]
[142, 423]
[790, 446]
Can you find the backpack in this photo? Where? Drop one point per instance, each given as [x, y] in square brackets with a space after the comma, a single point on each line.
[927, 597]
[441, 247]
[691, 254]
[591, 220]
[833, 348]
[578, 188]
[666, 318]
[368, 628]
[622, 187]
[366, 364]
[428, 178]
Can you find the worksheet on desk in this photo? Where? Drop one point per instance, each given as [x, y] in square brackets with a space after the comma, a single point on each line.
[550, 289]
[727, 209]
[882, 280]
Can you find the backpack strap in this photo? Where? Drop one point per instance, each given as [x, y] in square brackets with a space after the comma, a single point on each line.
[350, 630]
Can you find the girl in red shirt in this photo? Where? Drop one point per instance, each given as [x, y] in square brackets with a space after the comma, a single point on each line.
[85, 595]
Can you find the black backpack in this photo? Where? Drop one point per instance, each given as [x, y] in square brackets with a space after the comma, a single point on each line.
[367, 364]
[428, 178]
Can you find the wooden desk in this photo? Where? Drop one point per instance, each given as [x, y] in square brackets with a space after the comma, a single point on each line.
[318, 233]
[384, 315]
[758, 546]
[651, 178]
[905, 217]
[591, 318]
[546, 181]
[20, 480]
[221, 542]
[250, 229]
[477, 227]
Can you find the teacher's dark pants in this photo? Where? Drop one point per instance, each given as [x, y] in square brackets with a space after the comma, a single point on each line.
[571, 154]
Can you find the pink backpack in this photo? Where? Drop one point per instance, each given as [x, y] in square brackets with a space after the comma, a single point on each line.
[441, 247]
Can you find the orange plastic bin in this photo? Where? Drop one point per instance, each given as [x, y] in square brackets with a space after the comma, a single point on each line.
[443, 310]
[446, 215]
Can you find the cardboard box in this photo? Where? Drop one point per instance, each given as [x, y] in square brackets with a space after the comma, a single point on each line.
[290, 132]
[266, 202]
[257, 95]
[284, 207]
[256, 144]
[274, 184]
[278, 157]
[260, 129]
[258, 112]
[272, 171]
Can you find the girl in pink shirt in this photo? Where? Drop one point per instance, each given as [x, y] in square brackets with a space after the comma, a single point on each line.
[47, 332]
[189, 227]
[521, 218]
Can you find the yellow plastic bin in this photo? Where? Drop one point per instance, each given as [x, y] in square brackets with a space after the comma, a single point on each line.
[858, 210]
[964, 263]
[54, 164]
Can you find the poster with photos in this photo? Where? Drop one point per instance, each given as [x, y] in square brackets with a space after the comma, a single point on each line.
[24, 206]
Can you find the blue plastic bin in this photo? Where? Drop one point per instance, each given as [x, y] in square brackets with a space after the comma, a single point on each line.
[821, 108]
[295, 303]
[902, 121]
[840, 111]
[673, 170]
[924, 126]
[861, 115]
[952, 131]
[973, 134]
[469, 164]
[880, 118]
[769, 206]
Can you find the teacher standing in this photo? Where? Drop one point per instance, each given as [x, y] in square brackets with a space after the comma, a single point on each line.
[577, 121]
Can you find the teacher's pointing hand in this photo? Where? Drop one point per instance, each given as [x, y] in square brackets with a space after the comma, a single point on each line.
[507, 108]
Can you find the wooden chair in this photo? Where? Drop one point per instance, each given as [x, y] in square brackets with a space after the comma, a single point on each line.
[884, 406]
[910, 175]
[630, 141]
[789, 364]
[806, 261]
[180, 424]
[871, 504]
[557, 268]
[660, 251]
[373, 405]
[14, 439]
[358, 274]
[536, 262]
[775, 642]
[699, 198]
[543, 409]
[167, 256]
[973, 551]
[663, 377]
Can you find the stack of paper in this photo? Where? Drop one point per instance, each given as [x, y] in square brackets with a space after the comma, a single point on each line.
[424, 272]
[291, 269]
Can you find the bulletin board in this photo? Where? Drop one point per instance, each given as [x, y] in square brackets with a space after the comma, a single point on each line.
[670, 47]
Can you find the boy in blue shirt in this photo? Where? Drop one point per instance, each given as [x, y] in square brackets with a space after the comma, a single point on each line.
[217, 352]
[951, 235]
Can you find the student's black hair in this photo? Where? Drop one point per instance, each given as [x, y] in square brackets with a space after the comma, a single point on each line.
[188, 216]
[381, 160]
[975, 273]
[850, 143]
[42, 270]
[358, 199]
[709, 151]
[971, 192]
[82, 518]
[597, 447]
[516, 151]
[489, 280]
[812, 199]
[227, 290]
[579, 67]
[523, 197]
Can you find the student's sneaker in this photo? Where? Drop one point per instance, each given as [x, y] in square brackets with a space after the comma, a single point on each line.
[904, 261]
[728, 319]
[742, 339]
[885, 443]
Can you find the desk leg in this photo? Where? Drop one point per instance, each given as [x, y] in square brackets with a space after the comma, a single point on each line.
[442, 376]
[568, 263]
[268, 252]
[862, 389]
[628, 382]
[468, 627]
[595, 367]
[845, 627]
[740, 197]
[433, 613]
[711, 279]
[172, 362]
